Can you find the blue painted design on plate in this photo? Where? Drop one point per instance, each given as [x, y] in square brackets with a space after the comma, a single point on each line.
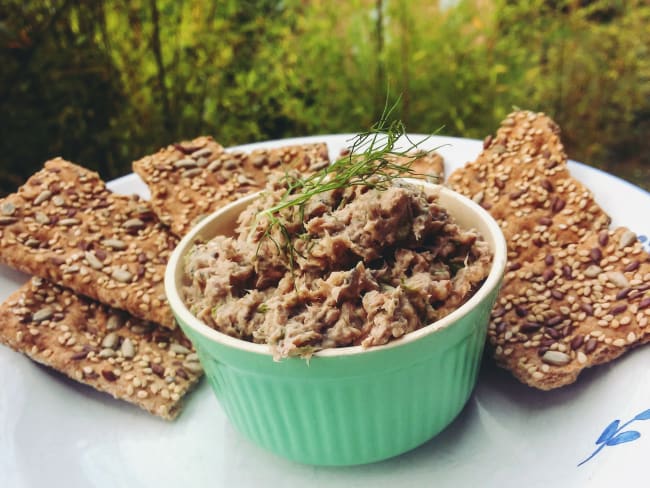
[643, 239]
[613, 435]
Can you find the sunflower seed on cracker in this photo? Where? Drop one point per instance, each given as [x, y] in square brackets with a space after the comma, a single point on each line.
[588, 321]
[524, 180]
[182, 190]
[86, 239]
[77, 342]
[575, 294]
[430, 164]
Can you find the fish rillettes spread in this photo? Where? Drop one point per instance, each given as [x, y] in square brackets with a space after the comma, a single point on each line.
[353, 266]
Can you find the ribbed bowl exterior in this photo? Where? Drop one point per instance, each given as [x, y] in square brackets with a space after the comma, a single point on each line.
[349, 409]
[347, 406]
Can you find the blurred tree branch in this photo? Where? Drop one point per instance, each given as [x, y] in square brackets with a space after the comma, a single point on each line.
[103, 82]
[162, 83]
[38, 36]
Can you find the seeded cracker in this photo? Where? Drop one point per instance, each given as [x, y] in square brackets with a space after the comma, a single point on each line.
[522, 179]
[430, 164]
[64, 225]
[128, 358]
[576, 307]
[192, 179]
[575, 293]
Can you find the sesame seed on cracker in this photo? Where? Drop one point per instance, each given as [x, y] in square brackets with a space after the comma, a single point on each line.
[108, 349]
[575, 293]
[64, 225]
[192, 179]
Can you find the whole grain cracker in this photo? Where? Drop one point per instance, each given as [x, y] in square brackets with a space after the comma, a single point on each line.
[431, 164]
[64, 225]
[192, 179]
[566, 269]
[128, 358]
[579, 306]
[521, 177]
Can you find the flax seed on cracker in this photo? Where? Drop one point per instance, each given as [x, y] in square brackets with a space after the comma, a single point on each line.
[586, 306]
[575, 293]
[128, 358]
[521, 177]
[191, 179]
[431, 164]
[67, 227]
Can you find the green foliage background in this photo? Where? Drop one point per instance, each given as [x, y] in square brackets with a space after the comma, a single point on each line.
[105, 82]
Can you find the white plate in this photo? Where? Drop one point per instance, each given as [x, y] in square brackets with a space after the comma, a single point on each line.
[54, 432]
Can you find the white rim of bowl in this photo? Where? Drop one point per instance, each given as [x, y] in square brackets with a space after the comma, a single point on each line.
[492, 281]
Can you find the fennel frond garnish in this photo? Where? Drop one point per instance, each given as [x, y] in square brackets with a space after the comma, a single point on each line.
[374, 159]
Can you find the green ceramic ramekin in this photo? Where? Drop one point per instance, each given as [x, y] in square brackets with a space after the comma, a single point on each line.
[348, 405]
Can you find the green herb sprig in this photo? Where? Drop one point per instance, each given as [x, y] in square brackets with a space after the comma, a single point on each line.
[367, 163]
